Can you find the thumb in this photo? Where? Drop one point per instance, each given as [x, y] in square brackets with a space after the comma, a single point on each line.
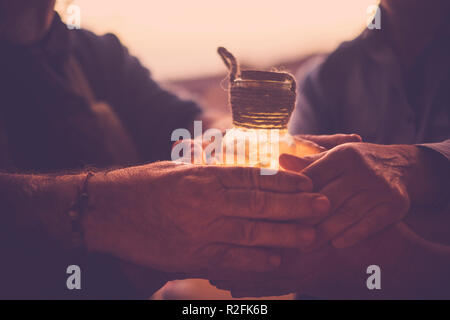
[297, 164]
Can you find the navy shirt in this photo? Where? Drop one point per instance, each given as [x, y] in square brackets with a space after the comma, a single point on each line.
[46, 125]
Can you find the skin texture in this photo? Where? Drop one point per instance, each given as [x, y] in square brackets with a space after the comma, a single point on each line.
[366, 186]
[182, 219]
[200, 219]
[369, 186]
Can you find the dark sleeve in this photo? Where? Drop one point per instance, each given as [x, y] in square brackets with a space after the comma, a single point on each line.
[148, 111]
[320, 95]
[440, 153]
[441, 147]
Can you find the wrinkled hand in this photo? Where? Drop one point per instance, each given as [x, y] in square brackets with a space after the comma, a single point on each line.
[367, 185]
[200, 219]
[330, 273]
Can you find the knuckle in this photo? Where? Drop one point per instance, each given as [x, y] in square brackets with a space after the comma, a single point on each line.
[349, 151]
[400, 202]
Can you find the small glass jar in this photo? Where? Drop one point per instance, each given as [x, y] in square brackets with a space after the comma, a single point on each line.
[261, 103]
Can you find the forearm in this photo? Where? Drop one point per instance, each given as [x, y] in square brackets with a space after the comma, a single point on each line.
[35, 212]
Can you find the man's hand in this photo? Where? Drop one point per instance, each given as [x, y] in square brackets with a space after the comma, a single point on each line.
[369, 187]
[200, 219]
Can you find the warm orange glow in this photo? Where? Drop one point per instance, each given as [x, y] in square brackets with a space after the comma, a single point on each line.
[179, 38]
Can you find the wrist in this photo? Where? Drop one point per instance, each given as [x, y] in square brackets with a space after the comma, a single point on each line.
[109, 204]
[94, 218]
[54, 197]
[424, 171]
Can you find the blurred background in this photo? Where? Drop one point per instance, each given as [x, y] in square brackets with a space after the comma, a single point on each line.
[177, 41]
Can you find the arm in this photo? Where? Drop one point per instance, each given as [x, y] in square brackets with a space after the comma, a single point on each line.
[434, 173]
[39, 203]
[372, 186]
[192, 220]
[412, 267]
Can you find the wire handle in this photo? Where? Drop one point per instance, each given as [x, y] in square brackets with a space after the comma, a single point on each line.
[230, 61]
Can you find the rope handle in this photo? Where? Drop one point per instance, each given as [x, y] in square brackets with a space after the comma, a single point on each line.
[235, 72]
[230, 61]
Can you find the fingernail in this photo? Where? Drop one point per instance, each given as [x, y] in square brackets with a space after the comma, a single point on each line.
[275, 260]
[321, 204]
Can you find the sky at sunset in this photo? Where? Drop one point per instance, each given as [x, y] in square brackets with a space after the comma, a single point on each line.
[178, 39]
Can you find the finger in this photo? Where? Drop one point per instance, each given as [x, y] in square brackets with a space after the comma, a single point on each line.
[297, 164]
[342, 189]
[351, 212]
[229, 259]
[326, 169]
[257, 204]
[251, 178]
[373, 222]
[263, 234]
[305, 147]
[331, 141]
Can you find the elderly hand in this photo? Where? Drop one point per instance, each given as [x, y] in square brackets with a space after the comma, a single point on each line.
[200, 219]
[369, 187]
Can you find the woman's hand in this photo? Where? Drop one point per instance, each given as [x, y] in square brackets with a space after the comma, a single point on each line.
[370, 187]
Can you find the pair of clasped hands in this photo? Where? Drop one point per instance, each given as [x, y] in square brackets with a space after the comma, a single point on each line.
[253, 234]
[246, 224]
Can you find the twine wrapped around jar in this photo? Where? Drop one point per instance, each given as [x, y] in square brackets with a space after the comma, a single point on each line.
[259, 99]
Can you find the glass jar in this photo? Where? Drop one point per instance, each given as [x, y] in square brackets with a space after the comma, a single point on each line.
[261, 103]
